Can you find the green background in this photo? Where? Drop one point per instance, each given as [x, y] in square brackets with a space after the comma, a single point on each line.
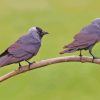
[62, 19]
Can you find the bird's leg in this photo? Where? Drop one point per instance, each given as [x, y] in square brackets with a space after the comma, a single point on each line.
[19, 65]
[29, 63]
[90, 51]
[80, 55]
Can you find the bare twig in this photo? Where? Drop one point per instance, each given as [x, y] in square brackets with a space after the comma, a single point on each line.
[44, 63]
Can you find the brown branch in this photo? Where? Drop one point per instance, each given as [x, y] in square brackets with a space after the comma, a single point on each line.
[44, 63]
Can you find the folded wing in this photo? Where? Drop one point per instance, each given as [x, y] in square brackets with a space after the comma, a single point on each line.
[81, 41]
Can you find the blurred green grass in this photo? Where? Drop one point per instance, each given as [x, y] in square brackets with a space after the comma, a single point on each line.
[62, 19]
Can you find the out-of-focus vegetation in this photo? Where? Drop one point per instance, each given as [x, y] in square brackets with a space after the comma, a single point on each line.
[62, 19]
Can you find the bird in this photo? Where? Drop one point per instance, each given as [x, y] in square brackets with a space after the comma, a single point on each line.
[85, 39]
[24, 48]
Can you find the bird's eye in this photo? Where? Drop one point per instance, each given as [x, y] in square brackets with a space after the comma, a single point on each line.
[39, 29]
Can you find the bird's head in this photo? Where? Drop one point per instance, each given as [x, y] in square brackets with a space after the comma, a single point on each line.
[96, 21]
[38, 30]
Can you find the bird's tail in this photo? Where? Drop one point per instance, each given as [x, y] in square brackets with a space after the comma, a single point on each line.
[4, 60]
[68, 50]
[74, 46]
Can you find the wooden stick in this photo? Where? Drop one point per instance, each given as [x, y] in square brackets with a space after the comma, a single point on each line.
[46, 62]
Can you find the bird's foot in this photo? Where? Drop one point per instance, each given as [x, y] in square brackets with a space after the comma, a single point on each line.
[29, 63]
[19, 66]
[93, 59]
[81, 60]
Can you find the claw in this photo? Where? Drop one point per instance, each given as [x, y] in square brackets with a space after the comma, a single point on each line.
[19, 66]
[93, 59]
[29, 63]
[80, 56]
[90, 51]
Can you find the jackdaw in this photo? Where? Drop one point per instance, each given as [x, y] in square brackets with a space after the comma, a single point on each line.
[24, 48]
[85, 39]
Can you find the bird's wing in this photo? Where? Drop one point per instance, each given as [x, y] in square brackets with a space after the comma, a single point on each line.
[19, 49]
[23, 46]
[4, 53]
[15, 50]
[82, 41]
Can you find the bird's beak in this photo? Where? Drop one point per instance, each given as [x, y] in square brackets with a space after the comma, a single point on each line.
[45, 33]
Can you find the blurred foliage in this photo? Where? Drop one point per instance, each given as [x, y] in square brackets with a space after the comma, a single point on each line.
[62, 19]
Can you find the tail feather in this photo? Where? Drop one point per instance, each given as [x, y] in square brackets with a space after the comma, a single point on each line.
[70, 47]
[5, 60]
[68, 50]
[74, 46]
